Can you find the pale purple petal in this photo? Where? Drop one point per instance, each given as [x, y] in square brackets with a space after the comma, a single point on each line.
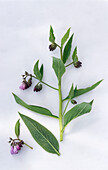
[18, 147]
[22, 86]
[12, 150]
[15, 150]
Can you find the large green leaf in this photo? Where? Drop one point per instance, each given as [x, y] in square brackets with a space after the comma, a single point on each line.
[37, 71]
[78, 92]
[77, 111]
[65, 37]
[37, 109]
[58, 67]
[17, 128]
[51, 37]
[67, 49]
[41, 135]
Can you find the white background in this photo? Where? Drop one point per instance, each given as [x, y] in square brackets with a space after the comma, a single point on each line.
[24, 30]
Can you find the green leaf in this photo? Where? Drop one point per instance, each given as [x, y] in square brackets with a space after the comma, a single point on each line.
[37, 109]
[78, 92]
[41, 135]
[67, 49]
[37, 71]
[74, 55]
[41, 71]
[71, 93]
[58, 67]
[77, 111]
[65, 37]
[17, 128]
[51, 37]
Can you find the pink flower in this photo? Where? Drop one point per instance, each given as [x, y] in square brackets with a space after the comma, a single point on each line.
[18, 147]
[13, 150]
[23, 86]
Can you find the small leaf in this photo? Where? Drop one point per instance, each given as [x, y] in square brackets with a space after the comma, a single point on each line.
[74, 55]
[17, 128]
[41, 135]
[37, 109]
[71, 93]
[67, 49]
[41, 71]
[78, 92]
[51, 37]
[37, 71]
[77, 111]
[58, 67]
[65, 37]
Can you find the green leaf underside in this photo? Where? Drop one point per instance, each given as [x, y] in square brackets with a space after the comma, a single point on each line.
[77, 111]
[37, 109]
[74, 55]
[17, 128]
[58, 67]
[65, 37]
[37, 71]
[51, 37]
[41, 135]
[41, 71]
[78, 92]
[67, 49]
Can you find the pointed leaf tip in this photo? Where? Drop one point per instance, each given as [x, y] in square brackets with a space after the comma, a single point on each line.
[41, 135]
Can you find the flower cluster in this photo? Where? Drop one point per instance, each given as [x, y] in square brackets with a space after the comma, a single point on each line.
[78, 64]
[27, 83]
[16, 145]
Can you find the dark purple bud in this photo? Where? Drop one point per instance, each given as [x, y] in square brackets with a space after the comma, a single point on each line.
[38, 87]
[52, 47]
[78, 64]
[73, 101]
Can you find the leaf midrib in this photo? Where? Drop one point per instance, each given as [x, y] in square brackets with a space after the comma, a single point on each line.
[46, 139]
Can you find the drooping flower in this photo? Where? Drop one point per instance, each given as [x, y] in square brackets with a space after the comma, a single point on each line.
[52, 47]
[24, 85]
[78, 64]
[38, 87]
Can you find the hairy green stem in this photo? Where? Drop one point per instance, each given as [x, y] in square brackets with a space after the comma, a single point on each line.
[45, 83]
[69, 64]
[28, 145]
[60, 111]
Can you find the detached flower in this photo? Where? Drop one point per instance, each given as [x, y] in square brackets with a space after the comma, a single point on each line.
[16, 145]
[52, 47]
[38, 87]
[78, 64]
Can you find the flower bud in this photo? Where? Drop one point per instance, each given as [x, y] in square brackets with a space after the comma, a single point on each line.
[73, 101]
[38, 87]
[52, 47]
[78, 64]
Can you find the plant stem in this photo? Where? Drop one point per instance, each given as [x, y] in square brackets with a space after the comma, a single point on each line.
[45, 83]
[69, 64]
[60, 111]
[28, 145]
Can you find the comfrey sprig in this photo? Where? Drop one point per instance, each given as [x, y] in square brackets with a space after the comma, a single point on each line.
[40, 133]
[17, 144]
